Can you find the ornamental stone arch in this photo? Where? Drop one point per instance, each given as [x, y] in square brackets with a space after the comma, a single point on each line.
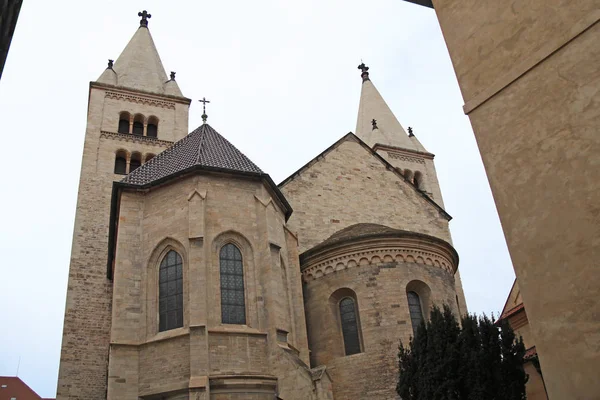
[250, 285]
[152, 269]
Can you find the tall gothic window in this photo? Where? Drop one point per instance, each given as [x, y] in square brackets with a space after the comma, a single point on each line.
[349, 326]
[414, 307]
[233, 306]
[170, 292]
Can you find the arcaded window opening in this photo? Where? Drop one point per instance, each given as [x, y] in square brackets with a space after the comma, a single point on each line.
[233, 303]
[135, 162]
[152, 129]
[418, 180]
[349, 320]
[124, 118]
[149, 157]
[170, 292]
[121, 163]
[415, 309]
[138, 125]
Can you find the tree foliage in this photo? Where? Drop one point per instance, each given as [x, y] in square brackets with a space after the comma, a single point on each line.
[471, 361]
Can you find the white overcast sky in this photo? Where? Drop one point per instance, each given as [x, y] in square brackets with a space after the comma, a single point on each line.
[283, 83]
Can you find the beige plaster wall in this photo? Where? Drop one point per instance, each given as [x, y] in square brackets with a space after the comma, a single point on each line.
[529, 76]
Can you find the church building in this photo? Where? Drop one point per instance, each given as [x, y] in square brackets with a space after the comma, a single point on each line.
[194, 275]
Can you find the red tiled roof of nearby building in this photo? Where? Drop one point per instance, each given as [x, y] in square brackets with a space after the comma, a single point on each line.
[529, 353]
[12, 387]
[512, 311]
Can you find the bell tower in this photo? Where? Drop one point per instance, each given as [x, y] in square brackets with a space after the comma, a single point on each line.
[379, 128]
[134, 112]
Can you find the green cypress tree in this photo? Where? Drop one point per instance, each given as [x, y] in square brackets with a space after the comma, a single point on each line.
[512, 375]
[476, 360]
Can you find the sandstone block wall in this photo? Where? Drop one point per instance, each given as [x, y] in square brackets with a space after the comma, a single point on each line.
[349, 186]
[86, 333]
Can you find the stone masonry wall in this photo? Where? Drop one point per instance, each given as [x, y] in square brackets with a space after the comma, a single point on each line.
[86, 333]
[380, 289]
[348, 185]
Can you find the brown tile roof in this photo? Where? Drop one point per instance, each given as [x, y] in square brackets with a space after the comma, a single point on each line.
[529, 353]
[203, 147]
[512, 311]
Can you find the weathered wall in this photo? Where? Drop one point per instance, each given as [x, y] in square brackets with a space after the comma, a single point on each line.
[529, 76]
[349, 185]
[379, 278]
[84, 353]
[196, 216]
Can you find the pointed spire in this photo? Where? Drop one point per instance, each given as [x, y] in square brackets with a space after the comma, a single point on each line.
[386, 129]
[139, 65]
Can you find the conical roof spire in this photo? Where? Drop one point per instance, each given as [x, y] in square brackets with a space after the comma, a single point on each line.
[139, 65]
[386, 130]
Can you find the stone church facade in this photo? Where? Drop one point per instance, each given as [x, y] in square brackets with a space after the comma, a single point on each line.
[194, 276]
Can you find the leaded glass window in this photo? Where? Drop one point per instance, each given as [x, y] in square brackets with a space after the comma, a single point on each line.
[233, 305]
[170, 292]
[416, 313]
[349, 326]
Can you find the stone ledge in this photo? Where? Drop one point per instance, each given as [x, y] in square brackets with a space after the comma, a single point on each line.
[235, 329]
[129, 137]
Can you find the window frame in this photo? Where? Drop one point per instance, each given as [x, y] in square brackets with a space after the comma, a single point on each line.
[356, 322]
[410, 311]
[229, 320]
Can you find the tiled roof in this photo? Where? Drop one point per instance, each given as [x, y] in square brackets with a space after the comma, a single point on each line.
[203, 147]
[530, 353]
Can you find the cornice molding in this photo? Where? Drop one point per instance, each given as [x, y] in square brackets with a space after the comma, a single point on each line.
[374, 251]
[139, 99]
[127, 137]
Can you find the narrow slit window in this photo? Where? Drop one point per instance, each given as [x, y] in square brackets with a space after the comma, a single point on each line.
[170, 292]
[349, 320]
[416, 312]
[233, 304]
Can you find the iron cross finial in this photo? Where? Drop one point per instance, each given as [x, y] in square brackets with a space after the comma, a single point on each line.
[204, 116]
[365, 73]
[374, 123]
[144, 21]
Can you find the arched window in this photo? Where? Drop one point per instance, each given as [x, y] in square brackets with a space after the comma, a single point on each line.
[152, 129]
[349, 326]
[135, 162]
[416, 312]
[233, 305]
[121, 163]
[149, 157]
[418, 180]
[124, 122]
[170, 292]
[408, 174]
[138, 124]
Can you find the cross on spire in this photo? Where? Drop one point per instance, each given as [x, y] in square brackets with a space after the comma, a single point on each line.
[204, 116]
[144, 21]
[365, 74]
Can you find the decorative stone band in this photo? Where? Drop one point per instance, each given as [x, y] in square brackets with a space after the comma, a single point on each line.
[140, 100]
[128, 137]
[385, 250]
[406, 158]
